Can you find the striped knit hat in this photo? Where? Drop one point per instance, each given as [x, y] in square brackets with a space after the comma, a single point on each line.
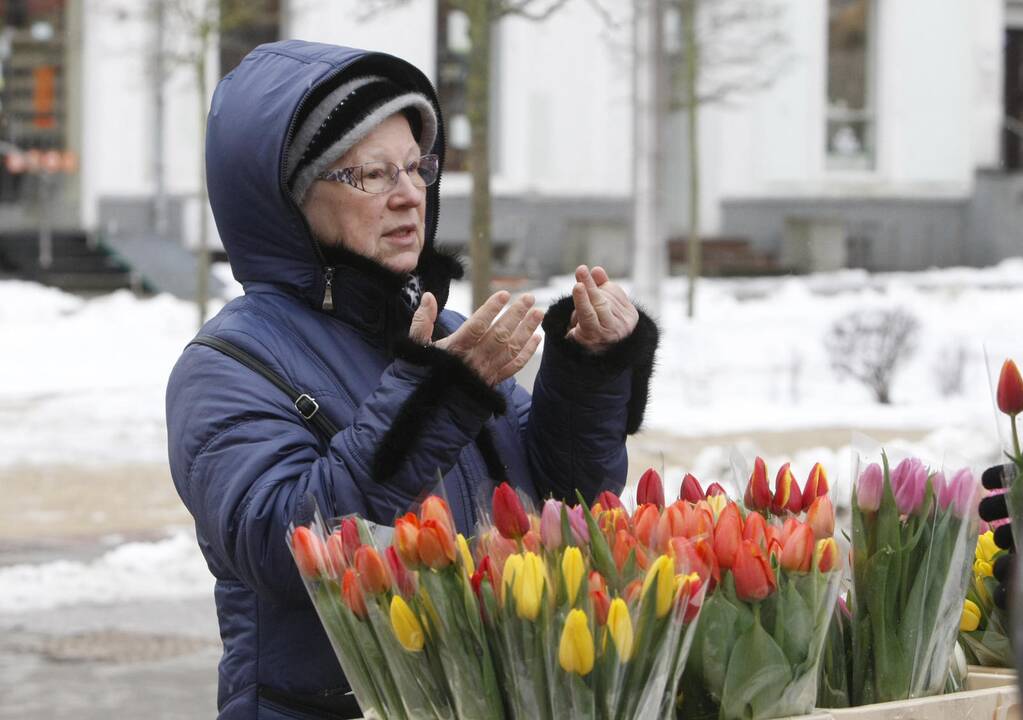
[342, 115]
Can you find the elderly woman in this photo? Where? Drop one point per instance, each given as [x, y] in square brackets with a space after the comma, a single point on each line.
[340, 376]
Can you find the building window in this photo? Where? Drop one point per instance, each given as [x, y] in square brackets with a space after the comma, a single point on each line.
[246, 24]
[452, 75]
[851, 126]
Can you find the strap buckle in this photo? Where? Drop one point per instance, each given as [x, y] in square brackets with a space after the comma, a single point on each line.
[307, 407]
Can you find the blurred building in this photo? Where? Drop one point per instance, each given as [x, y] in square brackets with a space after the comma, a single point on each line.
[891, 137]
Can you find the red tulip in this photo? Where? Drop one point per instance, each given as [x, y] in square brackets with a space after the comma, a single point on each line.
[758, 492]
[772, 534]
[755, 529]
[601, 605]
[484, 571]
[825, 554]
[695, 556]
[697, 520]
[310, 554]
[754, 578]
[350, 540]
[688, 591]
[403, 579]
[351, 593]
[728, 535]
[611, 521]
[434, 508]
[1010, 389]
[406, 539]
[787, 496]
[371, 570]
[651, 489]
[435, 546]
[821, 517]
[596, 581]
[510, 517]
[644, 523]
[609, 501]
[797, 553]
[715, 489]
[691, 490]
[816, 485]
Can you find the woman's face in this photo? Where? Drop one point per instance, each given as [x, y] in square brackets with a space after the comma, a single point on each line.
[389, 227]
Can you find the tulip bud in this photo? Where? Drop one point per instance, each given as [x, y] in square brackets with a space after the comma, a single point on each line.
[691, 490]
[716, 503]
[609, 501]
[577, 521]
[309, 552]
[870, 488]
[572, 570]
[755, 529]
[715, 489]
[624, 544]
[645, 523]
[351, 593]
[601, 606]
[651, 489]
[758, 492]
[825, 555]
[697, 519]
[550, 525]
[406, 625]
[816, 485]
[754, 578]
[986, 547]
[336, 554]
[786, 492]
[773, 552]
[672, 523]
[970, 619]
[435, 546]
[531, 542]
[964, 489]
[619, 627]
[821, 517]
[909, 483]
[1010, 389]
[463, 550]
[686, 588]
[728, 536]
[350, 540]
[435, 508]
[797, 553]
[403, 579]
[661, 576]
[528, 586]
[406, 538]
[512, 569]
[510, 517]
[575, 651]
[372, 572]
[595, 581]
[787, 528]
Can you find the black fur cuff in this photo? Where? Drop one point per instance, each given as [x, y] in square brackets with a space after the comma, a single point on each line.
[636, 352]
[447, 372]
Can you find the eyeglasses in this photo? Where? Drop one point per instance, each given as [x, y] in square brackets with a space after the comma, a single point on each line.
[381, 177]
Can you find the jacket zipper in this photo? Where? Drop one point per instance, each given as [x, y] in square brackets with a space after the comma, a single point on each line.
[328, 294]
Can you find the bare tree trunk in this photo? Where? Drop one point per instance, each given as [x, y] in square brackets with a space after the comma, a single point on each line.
[202, 290]
[478, 101]
[159, 124]
[689, 15]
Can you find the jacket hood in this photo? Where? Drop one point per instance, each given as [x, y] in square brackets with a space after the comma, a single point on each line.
[251, 122]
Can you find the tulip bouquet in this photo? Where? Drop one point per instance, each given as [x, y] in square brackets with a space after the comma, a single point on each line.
[983, 626]
[762, 630]
[1009, 401]
[913, 534]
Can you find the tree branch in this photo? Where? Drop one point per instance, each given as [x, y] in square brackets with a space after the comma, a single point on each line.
[520, 9]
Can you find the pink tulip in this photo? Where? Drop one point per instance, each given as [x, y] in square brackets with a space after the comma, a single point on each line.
[909, 483]
[550, 525]
[577, 521]
[964, 488]
[870, 488]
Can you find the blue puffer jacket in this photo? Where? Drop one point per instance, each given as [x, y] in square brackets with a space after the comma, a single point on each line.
[243, 460]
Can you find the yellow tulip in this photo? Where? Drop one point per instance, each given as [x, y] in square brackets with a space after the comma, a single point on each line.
[575, 652]
[463, 548]
[528, 586]
[986, 548]
[717, 504]
[662, 571]
[512, 567]
[970, 619]
[619, 626]
[406, 625]
[983, 569]
[572, 570]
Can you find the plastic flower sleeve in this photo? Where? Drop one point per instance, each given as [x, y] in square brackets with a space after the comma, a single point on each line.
[913, 546]
[1004, 362]
[984, 628]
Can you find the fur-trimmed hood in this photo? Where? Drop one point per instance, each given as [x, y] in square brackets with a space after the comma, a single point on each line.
[251, 121]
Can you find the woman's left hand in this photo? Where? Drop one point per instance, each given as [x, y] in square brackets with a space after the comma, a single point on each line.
[603, 312]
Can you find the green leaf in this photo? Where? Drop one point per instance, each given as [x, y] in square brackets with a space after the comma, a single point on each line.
[603, 562]
[793, 624]
[757, 676]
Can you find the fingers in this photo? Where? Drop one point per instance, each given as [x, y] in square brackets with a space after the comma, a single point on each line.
[585, 312]
[599, 275]
[503, 332]
[993, 508]
[521, 359]
[421, 328]
[1003, 537]
[469, 334]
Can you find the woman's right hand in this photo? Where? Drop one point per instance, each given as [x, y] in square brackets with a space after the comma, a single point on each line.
[494, 347]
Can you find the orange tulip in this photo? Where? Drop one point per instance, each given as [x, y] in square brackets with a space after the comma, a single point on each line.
[821, 517]
[758, 492]
[350, 540]
[797, 553]
[774, 552]
[754, 578]
[825, 555]
[1010, 389]
[728, 535]
[787, 528]
[596, 581]
[624, 544]
[755, 529]
[695, 556]
[698, 519]
[371, 570]
[688, 591]
[406, 535]
[816, 485]
[531, 542]
[787, 496]
[310, 554]
[672, 523]
[336, 554]
[611, 521]
[651, 489]
[435, 508]
[632, 591]
[351, 593]
[435, 546]
[644, 523]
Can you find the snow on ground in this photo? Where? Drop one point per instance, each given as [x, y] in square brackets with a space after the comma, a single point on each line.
[82, 381]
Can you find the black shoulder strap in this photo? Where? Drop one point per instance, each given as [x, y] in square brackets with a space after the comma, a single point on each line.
[306, 405]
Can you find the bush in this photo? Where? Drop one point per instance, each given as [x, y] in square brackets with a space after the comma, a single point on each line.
[870, 345]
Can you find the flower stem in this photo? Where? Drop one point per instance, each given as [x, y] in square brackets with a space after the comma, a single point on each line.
[1015, 438]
